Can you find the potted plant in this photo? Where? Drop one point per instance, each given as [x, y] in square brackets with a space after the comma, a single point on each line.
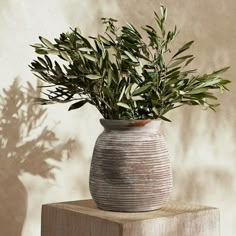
[133, 81]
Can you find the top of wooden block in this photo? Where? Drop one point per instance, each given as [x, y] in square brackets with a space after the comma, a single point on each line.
[172, 208]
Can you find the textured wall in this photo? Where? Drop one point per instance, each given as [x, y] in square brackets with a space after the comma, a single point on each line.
[201, 143]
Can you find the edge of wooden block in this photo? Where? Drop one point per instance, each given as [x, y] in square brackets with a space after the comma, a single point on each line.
[88, 207]
[48, 227]
[147, 222]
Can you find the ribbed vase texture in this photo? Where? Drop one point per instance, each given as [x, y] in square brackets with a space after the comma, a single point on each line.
[130, 169]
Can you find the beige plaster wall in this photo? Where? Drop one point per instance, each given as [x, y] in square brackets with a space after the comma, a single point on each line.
[201, 143]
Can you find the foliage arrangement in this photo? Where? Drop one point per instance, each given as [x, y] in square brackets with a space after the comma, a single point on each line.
[124, 74]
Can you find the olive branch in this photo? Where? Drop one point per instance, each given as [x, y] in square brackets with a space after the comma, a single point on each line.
[122, 74]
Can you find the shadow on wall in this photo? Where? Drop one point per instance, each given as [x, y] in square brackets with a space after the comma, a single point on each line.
[25, 146]
[194, 188]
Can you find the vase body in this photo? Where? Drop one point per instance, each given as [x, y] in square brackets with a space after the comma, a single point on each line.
[130, 169]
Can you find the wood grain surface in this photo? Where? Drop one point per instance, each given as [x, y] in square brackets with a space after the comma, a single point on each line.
[83, 218]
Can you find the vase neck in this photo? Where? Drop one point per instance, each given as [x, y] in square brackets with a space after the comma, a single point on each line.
[131, 124]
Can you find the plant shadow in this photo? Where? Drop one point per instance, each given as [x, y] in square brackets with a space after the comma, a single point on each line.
[26, 143]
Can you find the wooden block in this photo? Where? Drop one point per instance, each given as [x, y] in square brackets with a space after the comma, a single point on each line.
[82, 218]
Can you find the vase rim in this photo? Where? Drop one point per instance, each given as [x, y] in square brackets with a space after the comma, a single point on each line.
[110, 123]
[130, 119]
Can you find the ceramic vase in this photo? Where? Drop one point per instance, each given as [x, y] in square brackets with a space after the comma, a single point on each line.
[130, 169]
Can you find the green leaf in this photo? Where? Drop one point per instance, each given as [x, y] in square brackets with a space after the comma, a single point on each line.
[122, 93]
[225, 81]
[54, 52]
[48, 61]
[212, 82]
[164, 118]
[176, 63]
[163, 12]
[81, 57]
[142, 89]
[137, 98]
[37, 45]
[127, 91]
[188, 61]
[133, 87]
[46, 42]
[41, 51]
[77, 29]
[184, 57]
[109, 77]
[191, 102]
[89, 57]
[131, 56]
[65, 47]
[158, 22]
[183, 48]
[124, 105]
[93, 77]
[196, 91]
[221, 70]
[155, 111]
[124, 57]
[85, 49]
[42, 61]
[65, 55]
[134, 30]
[209, 95]
[104, 40]
[77, 105]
